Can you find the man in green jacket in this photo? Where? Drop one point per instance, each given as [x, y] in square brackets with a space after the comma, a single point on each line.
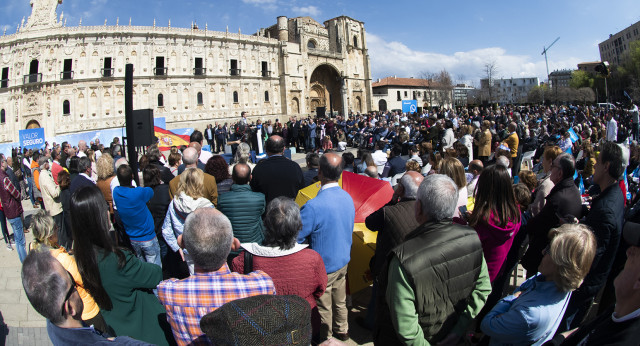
[243, 207]
[437, 280]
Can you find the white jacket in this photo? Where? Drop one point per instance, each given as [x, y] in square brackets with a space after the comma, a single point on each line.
[179, 208]
[50, 193]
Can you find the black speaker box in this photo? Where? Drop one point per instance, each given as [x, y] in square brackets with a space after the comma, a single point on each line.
[143, 133]
[320, 112]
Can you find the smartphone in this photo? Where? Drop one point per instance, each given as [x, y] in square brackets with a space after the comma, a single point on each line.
[463, 210]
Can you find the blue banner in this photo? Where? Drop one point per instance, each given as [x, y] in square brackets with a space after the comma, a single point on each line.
[32, 138]
[409, 106]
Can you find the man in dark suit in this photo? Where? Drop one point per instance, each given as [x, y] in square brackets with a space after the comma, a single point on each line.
[84, 178]
[276, 175]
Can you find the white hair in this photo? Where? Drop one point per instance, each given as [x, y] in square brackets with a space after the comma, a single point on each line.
[438, 195]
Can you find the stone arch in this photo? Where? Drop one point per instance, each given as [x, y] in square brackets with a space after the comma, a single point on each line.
[32, 124]
[358, 104]
[295, 106]
[325, 82]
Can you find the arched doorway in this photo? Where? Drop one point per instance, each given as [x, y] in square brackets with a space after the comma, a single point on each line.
[358, 104]
[32, 124]
[324, 89]
[382, 106]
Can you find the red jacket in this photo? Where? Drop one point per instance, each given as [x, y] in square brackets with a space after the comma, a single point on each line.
[10, 197]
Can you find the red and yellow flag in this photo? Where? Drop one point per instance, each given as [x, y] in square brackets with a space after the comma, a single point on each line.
[167, 139]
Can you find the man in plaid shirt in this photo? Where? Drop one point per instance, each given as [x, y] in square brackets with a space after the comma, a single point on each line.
[208, 237]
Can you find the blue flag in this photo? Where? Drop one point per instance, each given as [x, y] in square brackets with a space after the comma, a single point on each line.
[581, 186]
[573, 135]
[626, 185]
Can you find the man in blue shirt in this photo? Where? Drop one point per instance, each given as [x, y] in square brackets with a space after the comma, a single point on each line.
[327, 224]
[136, 217]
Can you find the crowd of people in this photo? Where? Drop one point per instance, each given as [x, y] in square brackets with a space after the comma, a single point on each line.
[175, 251]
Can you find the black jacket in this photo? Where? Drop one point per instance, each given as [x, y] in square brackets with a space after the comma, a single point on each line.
[564, 199]
[277, 176]
[605, 218]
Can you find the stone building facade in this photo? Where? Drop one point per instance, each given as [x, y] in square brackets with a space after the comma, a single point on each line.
[71, 79]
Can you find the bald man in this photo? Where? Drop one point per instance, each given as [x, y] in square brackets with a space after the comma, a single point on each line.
[327, 225]
[277, 175]
[199, 163]
[190, 159]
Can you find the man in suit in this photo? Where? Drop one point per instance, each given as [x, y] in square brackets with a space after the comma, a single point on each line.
[190, 159]
[277, 176]
[327, 225]
[208, 134]
[84, 178]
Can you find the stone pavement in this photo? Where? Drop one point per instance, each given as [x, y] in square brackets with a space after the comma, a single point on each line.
[20, 324]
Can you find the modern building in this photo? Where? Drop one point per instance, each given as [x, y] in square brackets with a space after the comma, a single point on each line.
[560, 78]
[71, 79]
[461, 93]
[389, 92]
[615, 49]
[588, 66]
[507, 90]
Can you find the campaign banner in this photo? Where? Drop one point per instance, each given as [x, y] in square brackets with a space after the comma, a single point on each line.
[573, 135]
[409, 106]
[32, 138]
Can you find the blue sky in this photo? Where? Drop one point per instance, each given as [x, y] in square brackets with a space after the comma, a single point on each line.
[405, 38]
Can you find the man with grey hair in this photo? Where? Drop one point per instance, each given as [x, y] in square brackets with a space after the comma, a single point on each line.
[190, 159]
[392, 222]
[208, 238]
[437, 281]
[562, 205]
[84, 178]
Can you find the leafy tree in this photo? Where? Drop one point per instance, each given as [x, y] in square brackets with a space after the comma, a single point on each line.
[581, 79]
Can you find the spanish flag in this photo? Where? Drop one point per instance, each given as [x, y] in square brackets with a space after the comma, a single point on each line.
[167, 139]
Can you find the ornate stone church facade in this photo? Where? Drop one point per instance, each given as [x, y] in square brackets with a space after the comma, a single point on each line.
[71, 79]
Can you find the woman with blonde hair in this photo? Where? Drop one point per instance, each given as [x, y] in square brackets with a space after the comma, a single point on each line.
[189, 197]
[45, 234]
[106, 173]
[532, 314]
[452, 167]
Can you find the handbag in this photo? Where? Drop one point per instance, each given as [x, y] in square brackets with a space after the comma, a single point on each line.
[248, 262]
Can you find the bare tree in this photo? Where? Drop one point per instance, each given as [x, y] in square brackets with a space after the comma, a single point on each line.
[445, 84]
[428, 79]
[490, 71]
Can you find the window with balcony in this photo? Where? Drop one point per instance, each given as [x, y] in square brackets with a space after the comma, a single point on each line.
[265, 69]
[198, 70]
[107, 71]
[67, 70]
[160, 70]
[234, 70]
[4, 82]
[34, 76]
[66, 107]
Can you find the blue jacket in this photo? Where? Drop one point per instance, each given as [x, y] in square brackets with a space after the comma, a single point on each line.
[312, 130]
[327, 224]
[132, 207]
[531, 318]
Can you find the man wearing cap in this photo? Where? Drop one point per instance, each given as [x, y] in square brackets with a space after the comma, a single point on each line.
[208, 238]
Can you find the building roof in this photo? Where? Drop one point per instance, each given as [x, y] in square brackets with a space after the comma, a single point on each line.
[405, 82]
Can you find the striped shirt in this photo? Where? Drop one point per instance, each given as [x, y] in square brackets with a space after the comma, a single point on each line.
[188, 300]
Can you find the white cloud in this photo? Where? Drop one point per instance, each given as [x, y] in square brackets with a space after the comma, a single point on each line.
[397, 59]
[306, 11]
[264, 4]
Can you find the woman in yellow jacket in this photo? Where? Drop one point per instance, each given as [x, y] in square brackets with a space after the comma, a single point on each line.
[484, 142]
[45, 236]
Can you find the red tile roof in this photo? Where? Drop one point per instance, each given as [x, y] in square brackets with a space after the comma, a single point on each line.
[406, 82]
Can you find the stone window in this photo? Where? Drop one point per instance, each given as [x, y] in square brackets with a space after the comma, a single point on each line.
[160, 70]
[107, 71]
[234, 70]
[235, 97]
[266, 96]
[160, 100]
[66, 107]
[3, 118]
[311, 44]
[199, 97]
[4, 83]
[355, 41]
